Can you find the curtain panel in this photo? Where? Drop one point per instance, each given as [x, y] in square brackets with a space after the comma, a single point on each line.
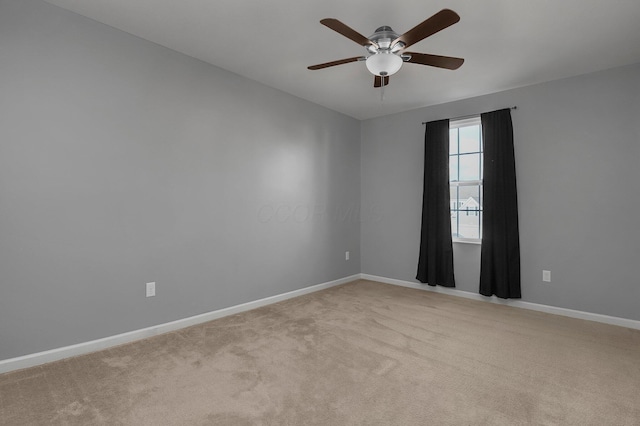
[435, 262]
[500, 252]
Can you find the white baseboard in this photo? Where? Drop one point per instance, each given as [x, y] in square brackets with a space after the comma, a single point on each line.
[39, 358]
[623, 322]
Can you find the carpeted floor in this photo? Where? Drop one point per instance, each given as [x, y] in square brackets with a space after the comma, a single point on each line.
[359, 354]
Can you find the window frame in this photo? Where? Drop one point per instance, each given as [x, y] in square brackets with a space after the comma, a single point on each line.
[457, 124]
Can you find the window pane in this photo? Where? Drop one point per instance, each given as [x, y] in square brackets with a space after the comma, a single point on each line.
[466, 210]
[469, 139]
[469, 227]
[469, 167]
[453, 141]
[469, 214]
[453, 205]
[469, 197]
[454, 226]
[453, 168]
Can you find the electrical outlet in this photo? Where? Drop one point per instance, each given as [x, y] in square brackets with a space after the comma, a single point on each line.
[346, 255]
[546, 276]
[151, 289]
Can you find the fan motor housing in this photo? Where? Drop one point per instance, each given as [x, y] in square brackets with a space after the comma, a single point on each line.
[383, 37]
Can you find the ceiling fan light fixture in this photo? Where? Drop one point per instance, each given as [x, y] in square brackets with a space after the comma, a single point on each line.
[384, 64]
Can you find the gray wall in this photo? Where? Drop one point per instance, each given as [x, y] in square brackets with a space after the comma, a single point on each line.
[122, 162]
[577, 147]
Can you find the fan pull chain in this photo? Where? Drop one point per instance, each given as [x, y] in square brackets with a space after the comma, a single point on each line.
[382, 89]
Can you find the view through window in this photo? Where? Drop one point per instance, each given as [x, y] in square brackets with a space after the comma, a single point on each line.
[465, 178]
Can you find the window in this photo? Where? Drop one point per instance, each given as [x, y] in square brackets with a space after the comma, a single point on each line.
[465, 179]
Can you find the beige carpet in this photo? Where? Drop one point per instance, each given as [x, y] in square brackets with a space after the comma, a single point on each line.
[359, 354]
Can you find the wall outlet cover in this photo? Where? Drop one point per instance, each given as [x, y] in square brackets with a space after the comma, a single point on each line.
[151, 289]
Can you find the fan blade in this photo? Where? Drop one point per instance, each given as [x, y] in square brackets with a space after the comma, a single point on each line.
[334, 63]
[447, 62]
[377, 81]
[347, 31]
[441, 20]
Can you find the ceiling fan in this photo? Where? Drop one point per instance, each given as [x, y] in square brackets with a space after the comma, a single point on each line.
[385, 48]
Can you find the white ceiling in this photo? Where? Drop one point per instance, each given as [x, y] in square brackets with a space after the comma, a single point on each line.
[505, 43]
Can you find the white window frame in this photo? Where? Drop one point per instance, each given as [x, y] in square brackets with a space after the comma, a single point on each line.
[456, 124]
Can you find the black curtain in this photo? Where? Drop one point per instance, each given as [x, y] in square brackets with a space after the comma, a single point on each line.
[435, 264]
[500, 253]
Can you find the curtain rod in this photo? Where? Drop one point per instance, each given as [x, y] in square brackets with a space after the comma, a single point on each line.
[469, 116]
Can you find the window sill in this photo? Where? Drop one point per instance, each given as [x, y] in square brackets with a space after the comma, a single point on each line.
[467, 241]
